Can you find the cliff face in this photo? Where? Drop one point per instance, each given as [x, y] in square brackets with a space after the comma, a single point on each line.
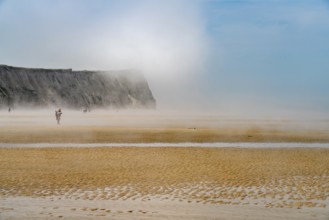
[73, 89]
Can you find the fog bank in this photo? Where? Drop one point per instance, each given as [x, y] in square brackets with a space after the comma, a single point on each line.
[239, 57]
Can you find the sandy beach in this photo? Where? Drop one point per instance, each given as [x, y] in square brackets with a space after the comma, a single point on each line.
[164, 182]
[164, 110]
[152, 126]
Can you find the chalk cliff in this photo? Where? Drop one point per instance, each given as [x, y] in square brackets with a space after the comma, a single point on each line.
[73, 89]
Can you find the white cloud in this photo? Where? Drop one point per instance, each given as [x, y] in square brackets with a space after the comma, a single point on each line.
[154, 36]
[164, 39]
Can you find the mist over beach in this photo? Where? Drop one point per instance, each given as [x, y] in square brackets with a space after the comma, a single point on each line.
[218, 56]
[199, 109]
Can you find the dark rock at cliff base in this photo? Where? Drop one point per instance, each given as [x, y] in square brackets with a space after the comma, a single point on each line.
[73, 89]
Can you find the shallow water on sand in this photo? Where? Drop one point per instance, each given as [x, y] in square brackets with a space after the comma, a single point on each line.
[184, 144]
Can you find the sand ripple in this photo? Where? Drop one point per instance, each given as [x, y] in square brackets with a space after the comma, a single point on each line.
[290, 178]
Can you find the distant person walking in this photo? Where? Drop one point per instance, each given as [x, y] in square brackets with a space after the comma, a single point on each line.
[58, 114]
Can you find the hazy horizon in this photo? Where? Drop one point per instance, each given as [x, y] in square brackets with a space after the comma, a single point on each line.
[237, 57]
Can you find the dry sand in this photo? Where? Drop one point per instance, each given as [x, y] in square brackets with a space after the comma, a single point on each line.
[163, 182]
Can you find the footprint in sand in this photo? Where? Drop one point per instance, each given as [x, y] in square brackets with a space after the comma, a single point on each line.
[141, 211]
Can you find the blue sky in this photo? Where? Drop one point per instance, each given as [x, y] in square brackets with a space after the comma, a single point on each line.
[271, 52]
[224, 55]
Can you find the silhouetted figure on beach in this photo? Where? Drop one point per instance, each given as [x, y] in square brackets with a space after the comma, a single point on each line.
[58, 114]
[86, 109]
[9, 109]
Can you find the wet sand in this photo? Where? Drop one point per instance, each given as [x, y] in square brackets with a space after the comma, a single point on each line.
[177, 144]
[43, 208]
[208, 178]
